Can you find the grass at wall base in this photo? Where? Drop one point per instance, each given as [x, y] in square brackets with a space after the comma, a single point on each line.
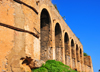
[53, 66]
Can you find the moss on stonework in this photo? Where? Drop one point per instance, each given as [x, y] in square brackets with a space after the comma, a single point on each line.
[53, 66]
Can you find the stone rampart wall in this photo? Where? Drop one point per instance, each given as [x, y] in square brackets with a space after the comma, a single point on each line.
[56, 40]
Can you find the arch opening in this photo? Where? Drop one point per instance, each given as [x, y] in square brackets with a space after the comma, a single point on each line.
[67, 49]
[80, 55]
[73, 53]
[45, 36]
[72, 48]
[77, 55]
[72, 43]
[58, 43]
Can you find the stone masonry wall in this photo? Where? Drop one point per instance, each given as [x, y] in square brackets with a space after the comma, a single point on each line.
[41, 18]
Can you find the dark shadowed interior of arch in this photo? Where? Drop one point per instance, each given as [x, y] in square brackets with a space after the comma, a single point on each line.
[66, 39]
[58, 43]
[77, 53]
[73, 53]
[45, 51]
[72, 48]
[67, 50]
[80, 55]
[72, 43]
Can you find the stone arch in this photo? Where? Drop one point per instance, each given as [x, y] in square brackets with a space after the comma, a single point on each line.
[58, 43]
[73, 53]
[67, 49]
[77, 53]
[44, 6]
[72, 48]
[80, 55]
[45, 35]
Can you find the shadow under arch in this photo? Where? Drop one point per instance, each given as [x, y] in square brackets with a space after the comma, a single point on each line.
[73, 53]
[67, 48]
[58, 43]
[80, 55]
[77, 53]
[45, 36]
[72, 48]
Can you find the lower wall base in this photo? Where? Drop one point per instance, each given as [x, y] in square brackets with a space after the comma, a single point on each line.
[73, 63]
[88, 69]
[78, 66]
[68, 60]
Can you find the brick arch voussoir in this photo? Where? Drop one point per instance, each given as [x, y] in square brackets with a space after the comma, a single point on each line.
[67, 34]
[54, 25]
[68, 41]
[44, 6]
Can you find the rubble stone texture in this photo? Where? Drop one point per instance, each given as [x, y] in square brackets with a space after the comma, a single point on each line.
[56, 40]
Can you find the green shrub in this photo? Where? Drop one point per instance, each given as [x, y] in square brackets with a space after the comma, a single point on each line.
[85, 54]
[41, 69]
[54, 66]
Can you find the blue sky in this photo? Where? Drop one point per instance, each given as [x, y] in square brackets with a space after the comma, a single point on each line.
[83, 17]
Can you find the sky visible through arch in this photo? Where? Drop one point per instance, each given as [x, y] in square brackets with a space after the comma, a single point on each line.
[83, 17]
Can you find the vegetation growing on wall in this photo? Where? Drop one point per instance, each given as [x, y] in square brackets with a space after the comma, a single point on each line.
[56, 7]
[85, 54]
[54, 66]
[58, 11]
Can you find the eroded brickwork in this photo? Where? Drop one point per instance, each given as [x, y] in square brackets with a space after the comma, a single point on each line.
[56, 40]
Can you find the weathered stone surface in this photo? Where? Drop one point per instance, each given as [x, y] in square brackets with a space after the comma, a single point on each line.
[54, 42]
[31, 63]
[24, 64]
[73, 63]
[38, 63]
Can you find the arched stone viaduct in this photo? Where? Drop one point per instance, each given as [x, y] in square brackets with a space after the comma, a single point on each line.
[56, 40]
